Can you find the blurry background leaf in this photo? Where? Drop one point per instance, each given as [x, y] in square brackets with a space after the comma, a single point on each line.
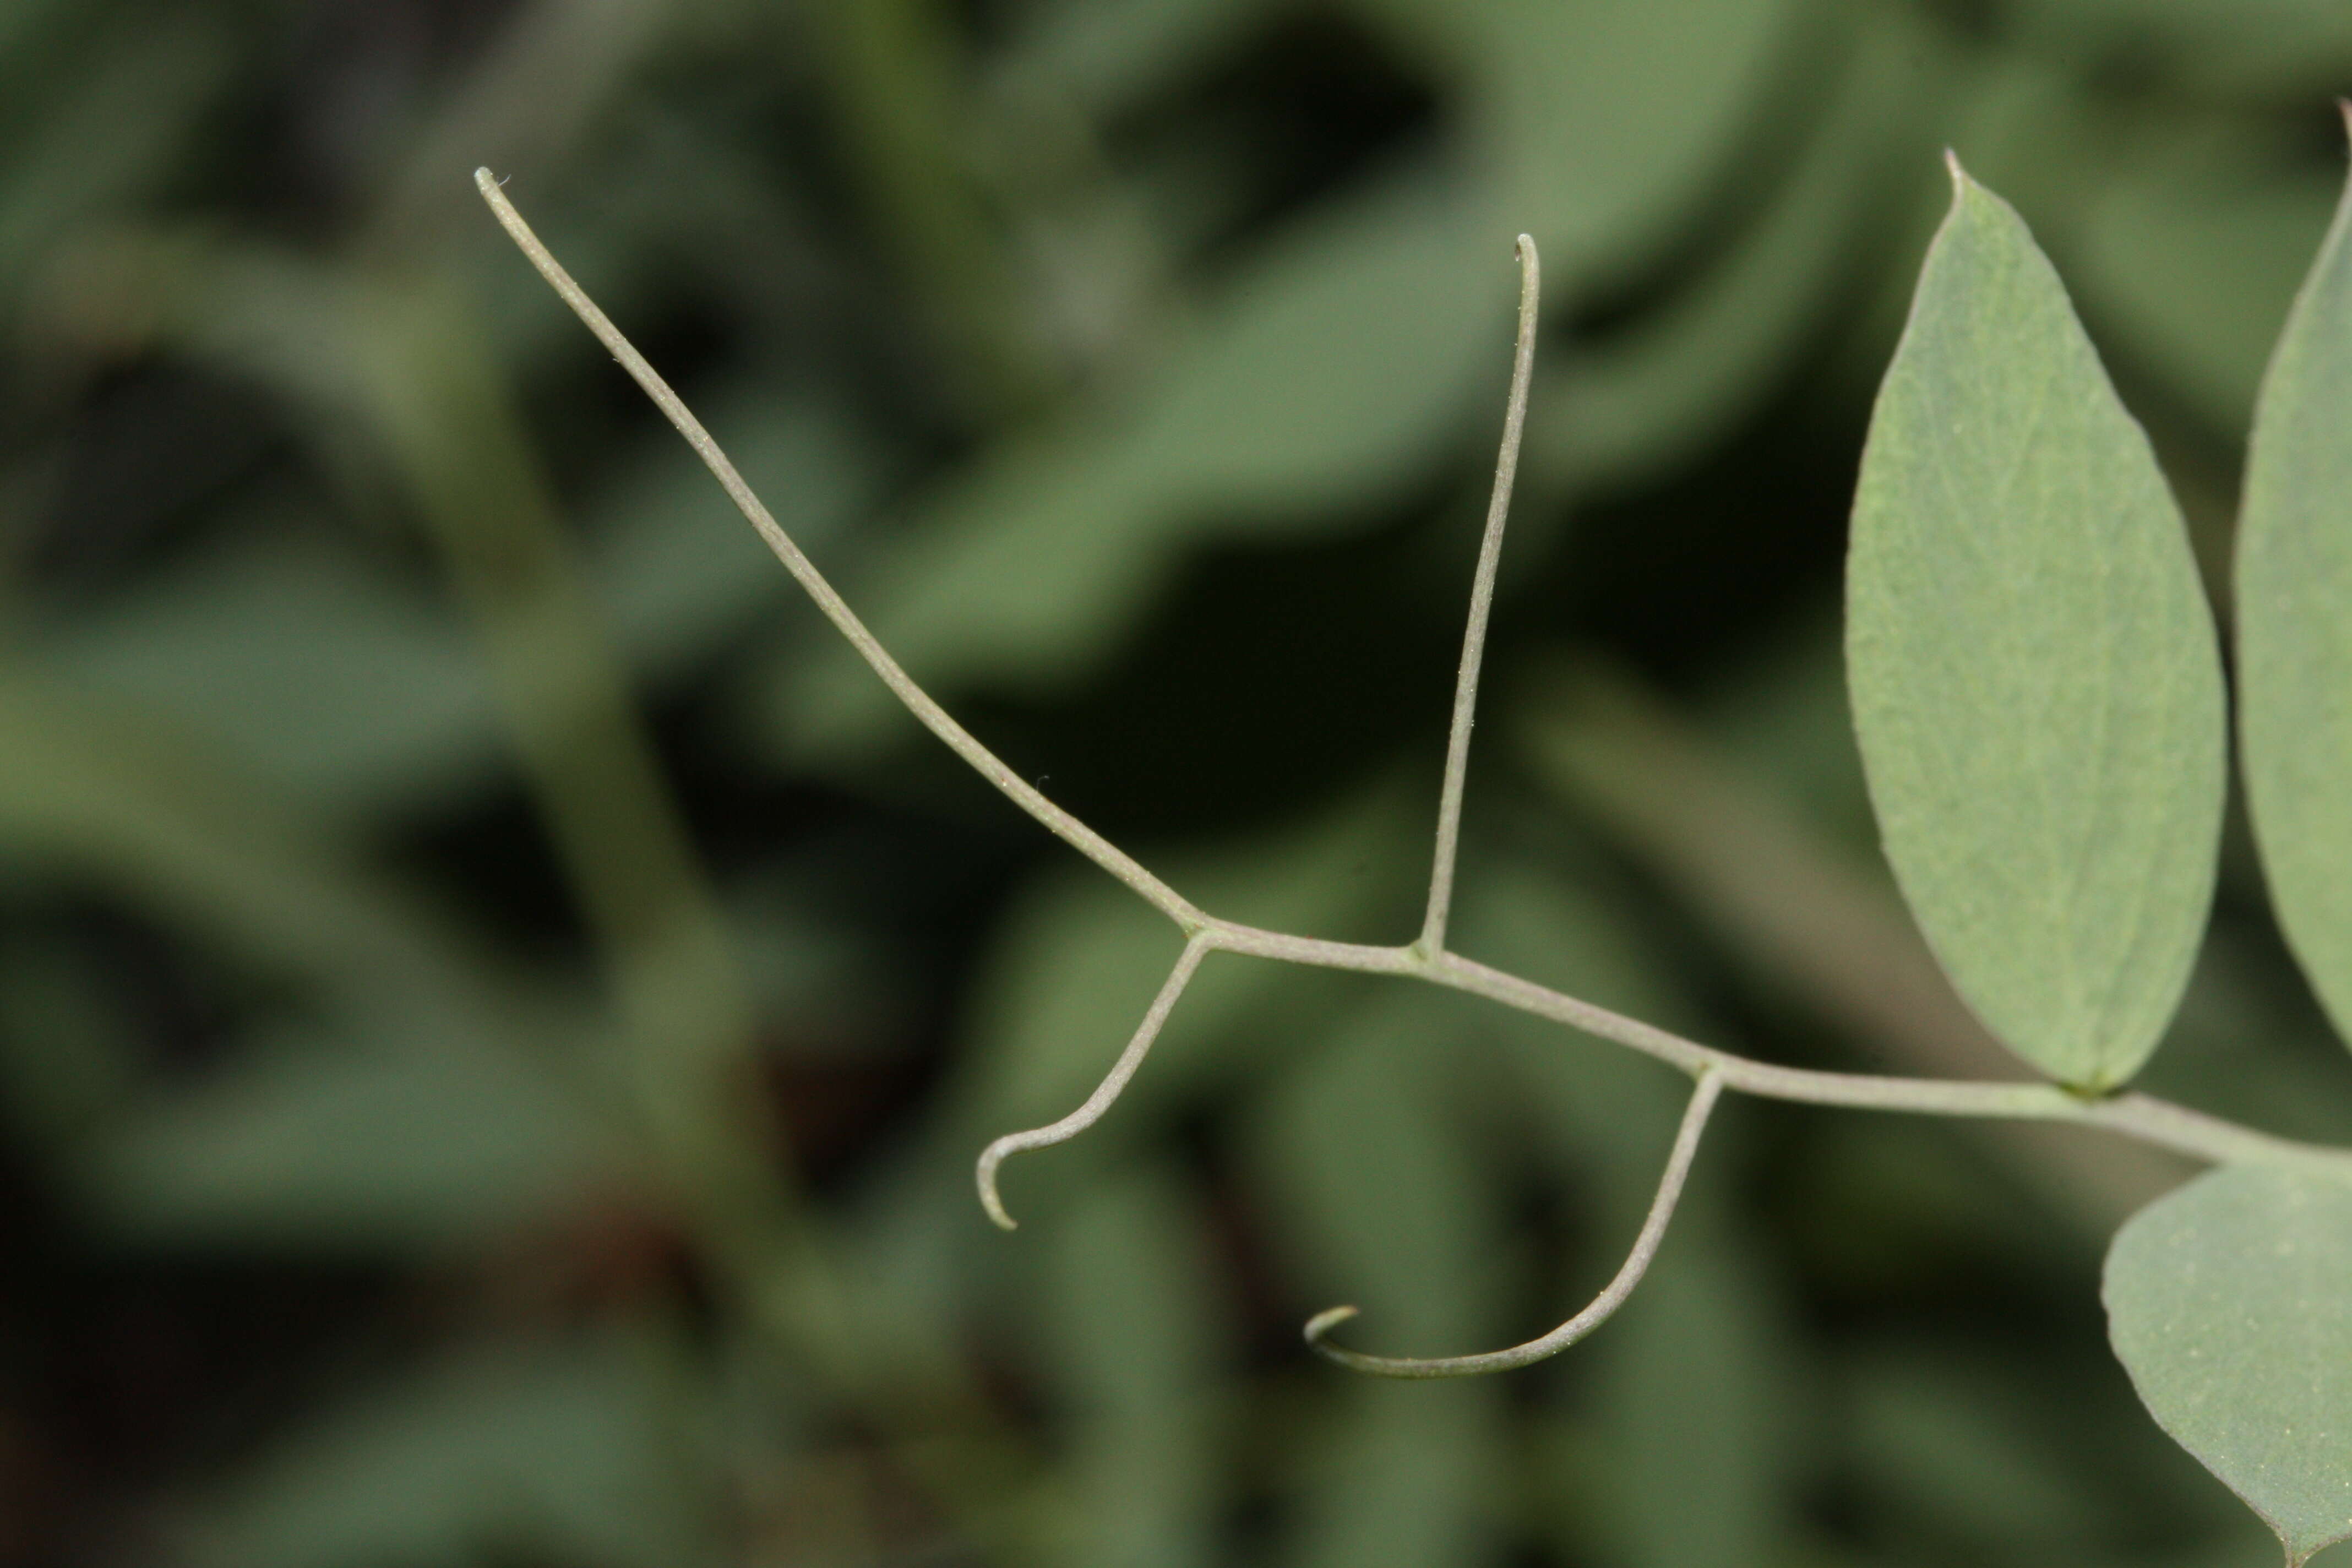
[1931, 1429]
[1607, 119]
[342, 1143]
[1701, 1432]
[2273, 46]
[1135, 1324]
[86, 140]
[1377, 1194]
[2204, 212]
[1332, 373]
[582, 1450]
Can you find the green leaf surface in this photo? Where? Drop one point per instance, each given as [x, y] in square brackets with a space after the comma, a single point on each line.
[2226, 1302]
[2035, 684]
[2294, 639]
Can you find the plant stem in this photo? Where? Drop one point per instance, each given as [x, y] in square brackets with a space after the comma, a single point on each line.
[1597, 1311]
[1105, 1093]
[2141, 1117]
[960, 741]
[2136, 1115]
[1482, 605]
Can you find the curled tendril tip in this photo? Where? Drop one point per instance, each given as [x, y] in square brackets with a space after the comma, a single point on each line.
[1105, 1093]
[1602, 1307]
[1324, 1322]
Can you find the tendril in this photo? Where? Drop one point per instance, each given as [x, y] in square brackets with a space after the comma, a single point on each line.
[1612, 1296]
[1105, 1093]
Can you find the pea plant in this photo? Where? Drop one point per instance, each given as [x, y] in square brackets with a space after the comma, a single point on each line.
[2038, 696]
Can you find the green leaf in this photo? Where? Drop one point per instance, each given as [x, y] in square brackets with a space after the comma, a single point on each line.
[2225, 1301]
[2294, 642]
[2035, 684]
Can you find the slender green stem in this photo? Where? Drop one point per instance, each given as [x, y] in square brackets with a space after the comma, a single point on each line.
[1599, 1312]
[2135, 1116]
[1105, 1093]
[2140, 1117]
[1482, 605]
[960, 741]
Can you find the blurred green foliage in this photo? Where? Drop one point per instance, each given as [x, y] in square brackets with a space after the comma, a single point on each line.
[495, 1009]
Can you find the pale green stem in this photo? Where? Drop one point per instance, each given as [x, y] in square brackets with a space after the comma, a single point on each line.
[1482, 605]
[1601, 1308]
[1105, 1093]
[2140, 1117]
[2135, 1116]
[982, 760]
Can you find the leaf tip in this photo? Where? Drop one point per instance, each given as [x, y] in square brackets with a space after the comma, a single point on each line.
[1967, 193]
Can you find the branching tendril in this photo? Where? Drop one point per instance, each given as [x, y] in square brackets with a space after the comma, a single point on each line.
[1426, 957]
